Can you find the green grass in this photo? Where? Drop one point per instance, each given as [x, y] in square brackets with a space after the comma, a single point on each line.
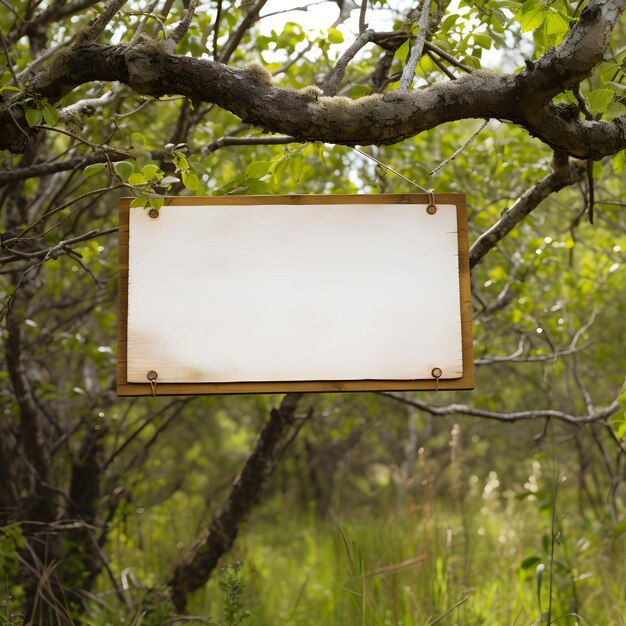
[480, 559]
[404, 568]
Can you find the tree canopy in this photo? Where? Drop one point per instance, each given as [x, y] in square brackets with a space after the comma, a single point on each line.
[520, 105]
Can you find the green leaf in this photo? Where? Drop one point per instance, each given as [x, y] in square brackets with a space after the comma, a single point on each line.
[156, 202]
[532, 16]
[170, 180]
[484, 41]
[33, 117]
[139, 202]
[150, 171]
[257, 169]
[403, 52]
[358, 91]
[137, 179]
[556, 24]
[93, 169]
[619, 162]
[279, 168]
[531, 561]
[191, 181]
[50, 114]
[138, 140]
[335, 35]
[296, 167]
[124, 169]
[599, 99]
[180, 161]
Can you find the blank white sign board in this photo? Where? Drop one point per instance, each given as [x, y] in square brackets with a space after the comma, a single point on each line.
[293, 292]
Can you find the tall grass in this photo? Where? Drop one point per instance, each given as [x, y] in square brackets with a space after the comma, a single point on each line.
[478, 565]
[481, 556]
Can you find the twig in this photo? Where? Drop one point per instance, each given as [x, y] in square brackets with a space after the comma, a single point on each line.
[448, 57]
[457, 152]
[183, 26]
[97, 26]
[51, 212]
[146, 15]
[337, 74]
[79, 137]
[7, 54]
[590, 189]
[440, 65]
[63, 247]
[259, 140]
[362, 12]
[233, 43]
[408, 74]
[216, 29]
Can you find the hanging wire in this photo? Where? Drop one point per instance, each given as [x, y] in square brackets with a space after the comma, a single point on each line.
[387, 167]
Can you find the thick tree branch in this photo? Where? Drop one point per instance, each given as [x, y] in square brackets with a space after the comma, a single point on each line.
[151, 68]
[574, 59]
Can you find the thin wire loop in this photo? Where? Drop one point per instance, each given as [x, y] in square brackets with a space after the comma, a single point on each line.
[430, 192]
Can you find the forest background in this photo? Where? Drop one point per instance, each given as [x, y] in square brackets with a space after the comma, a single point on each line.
[504, 505]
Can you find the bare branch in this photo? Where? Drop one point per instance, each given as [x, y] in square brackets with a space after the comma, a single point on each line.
[181, 30]
[337, 74]
[408, 74]
[231, 45]
[7, 54]
[98, 24]
[362, 12]
[463, 409]
[258, 140]
[459, 150]
[565, 173]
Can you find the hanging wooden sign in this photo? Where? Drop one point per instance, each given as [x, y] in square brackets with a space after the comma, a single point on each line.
[254, 294]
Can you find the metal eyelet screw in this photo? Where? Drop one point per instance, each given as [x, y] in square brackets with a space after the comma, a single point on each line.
[153, 213]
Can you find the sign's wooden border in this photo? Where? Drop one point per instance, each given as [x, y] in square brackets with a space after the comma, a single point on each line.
[124, 388]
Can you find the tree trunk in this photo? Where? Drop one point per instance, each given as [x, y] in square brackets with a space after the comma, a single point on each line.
[198, 564]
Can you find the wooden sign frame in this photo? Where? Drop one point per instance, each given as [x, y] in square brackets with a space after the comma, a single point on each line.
[466, 381]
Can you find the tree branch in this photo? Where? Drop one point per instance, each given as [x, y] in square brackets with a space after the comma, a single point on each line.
[566, 173]
[231, 45]
[151, 68]
[197, 565]
[181, 30]
[408, 74]
[98, 24]
[463, 409]
[337, 74]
